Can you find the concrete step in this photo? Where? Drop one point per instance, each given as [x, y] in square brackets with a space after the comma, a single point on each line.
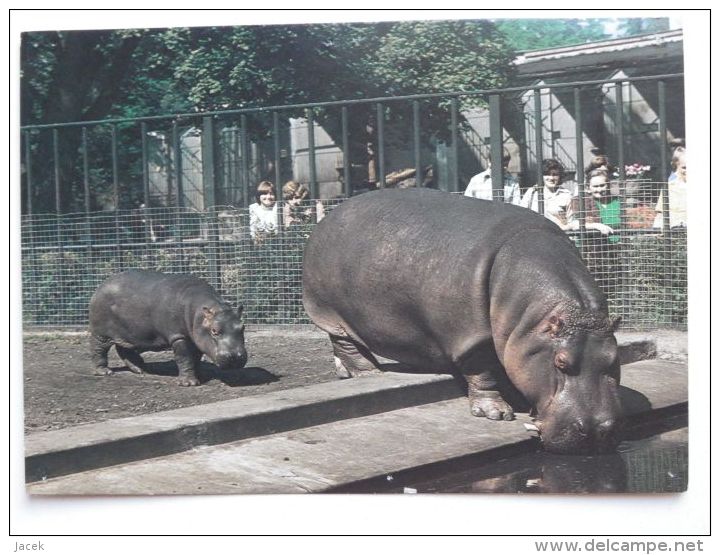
[322, 457]
[118, 441]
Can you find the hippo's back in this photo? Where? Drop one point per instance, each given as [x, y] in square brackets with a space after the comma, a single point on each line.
[409, 267]
[138, 302]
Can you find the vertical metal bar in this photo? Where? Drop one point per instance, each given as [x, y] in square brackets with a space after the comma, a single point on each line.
[276, 144]
[347, 185]
[245, 163]
[115, 172]
[455, 184]
[310, 116]
[116, 193]
[86, 170]
[146, 175]
[496, 139]
[579, 164]
[380, 109]
[179, 200]
[662, 129]
[209, 192]
[666, 242]
[56, 166]
[208, 161]
[177, 159]
[28, 173]
[416, 143]
[619, 131]
[539, 152]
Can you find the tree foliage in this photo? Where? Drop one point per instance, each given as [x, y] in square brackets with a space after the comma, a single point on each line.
[536, 34]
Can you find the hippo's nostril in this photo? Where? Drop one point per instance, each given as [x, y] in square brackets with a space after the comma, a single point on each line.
[606, 429]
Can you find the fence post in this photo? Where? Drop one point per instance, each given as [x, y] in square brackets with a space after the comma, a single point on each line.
[116, 194]
[579, 168]
[416, 143]
[380, 114]
[454, 143]
[539, 153]
[497, 172]
[245, 163]
[310, 116]
[209, 190]
[347, 185]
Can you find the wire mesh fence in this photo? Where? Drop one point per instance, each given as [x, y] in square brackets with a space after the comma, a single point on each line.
[641, 268]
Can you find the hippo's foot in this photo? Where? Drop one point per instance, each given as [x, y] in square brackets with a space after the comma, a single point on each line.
[352, 359]
[188, 381]
[491, 405]
[103, 371]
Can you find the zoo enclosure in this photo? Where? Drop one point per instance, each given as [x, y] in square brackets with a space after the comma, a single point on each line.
[170, 192]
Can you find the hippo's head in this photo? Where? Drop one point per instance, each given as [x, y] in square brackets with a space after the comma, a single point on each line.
[570, 375]
[222, 337]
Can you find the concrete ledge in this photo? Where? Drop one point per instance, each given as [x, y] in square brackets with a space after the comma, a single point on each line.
[91, 446]
[85, 447]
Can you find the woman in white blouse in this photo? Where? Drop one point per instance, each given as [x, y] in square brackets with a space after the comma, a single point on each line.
[557, 200]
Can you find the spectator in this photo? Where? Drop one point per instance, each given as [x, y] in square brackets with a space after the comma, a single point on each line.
[677, 194]
[603, 213]
[678, 147]
[602, 208]
[558, 200]
[480, 186]
[263, 214]
[296, 210]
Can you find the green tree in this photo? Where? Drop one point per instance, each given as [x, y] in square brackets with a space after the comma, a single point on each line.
[628, 27]
[536, 34]
[84, 75]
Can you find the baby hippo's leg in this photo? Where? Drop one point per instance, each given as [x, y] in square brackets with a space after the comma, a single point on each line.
[187, 357]
[99, 347]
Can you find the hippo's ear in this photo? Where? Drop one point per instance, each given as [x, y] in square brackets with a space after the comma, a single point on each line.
[615, 323]
[209, 313]
[554, 326]
[562, 361]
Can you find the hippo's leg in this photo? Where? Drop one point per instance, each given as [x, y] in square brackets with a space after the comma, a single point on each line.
[485, 399]
[351, 358]
[187, 357]
[131, 358]
[99, 347]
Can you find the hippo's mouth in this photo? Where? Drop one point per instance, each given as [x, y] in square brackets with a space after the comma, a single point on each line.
[231, 362]
[573, 439]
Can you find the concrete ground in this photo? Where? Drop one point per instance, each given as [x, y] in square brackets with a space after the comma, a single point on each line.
[309, 439]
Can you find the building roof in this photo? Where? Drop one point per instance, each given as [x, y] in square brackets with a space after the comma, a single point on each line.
[666, 45]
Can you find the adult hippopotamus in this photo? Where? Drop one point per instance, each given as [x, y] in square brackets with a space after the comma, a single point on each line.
[142, 310]
[485, 290]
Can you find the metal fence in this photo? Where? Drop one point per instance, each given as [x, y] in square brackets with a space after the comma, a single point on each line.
[641, 269]
[101, 197]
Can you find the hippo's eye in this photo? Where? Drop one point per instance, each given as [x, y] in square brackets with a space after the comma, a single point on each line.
[214, 332]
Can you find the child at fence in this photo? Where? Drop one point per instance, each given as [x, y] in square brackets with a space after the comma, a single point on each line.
[296, 209]
[558, 201]
[263, 214]
[677, 194]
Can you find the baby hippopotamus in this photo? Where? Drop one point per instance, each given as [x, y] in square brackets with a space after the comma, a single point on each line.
[141, 310]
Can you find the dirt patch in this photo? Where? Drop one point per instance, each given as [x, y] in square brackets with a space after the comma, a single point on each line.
[60, 389]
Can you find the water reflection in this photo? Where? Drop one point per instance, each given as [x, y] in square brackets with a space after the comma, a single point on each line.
[648, 461]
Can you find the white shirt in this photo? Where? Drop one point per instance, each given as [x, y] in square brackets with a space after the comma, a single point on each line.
[263, 219]
[558, 204]
[480, 186]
